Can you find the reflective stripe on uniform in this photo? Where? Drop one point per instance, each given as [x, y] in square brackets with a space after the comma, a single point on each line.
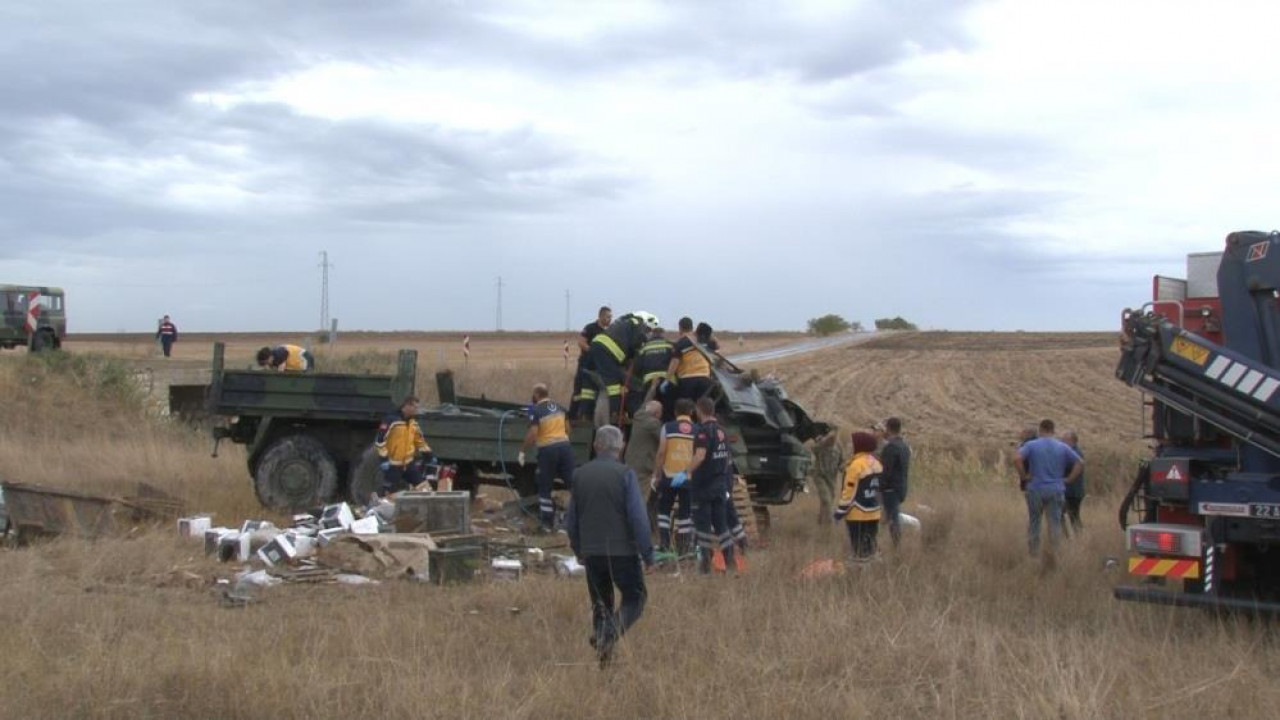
[607, 342]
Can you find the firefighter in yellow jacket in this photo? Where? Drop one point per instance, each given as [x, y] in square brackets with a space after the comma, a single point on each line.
[286, 358]
[860, 499]
[399, 444]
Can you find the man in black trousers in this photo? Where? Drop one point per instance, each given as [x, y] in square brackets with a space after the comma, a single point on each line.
[609, 532]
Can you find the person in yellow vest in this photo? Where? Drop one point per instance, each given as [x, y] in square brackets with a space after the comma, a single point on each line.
[689, 370]
[399, 443]
[860, 500]
[286, 358]
[670, 478]
[549, 430]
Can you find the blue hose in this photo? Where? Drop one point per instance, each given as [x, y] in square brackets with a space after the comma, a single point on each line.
[502, 462]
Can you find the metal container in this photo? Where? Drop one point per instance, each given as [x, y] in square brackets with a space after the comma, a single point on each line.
[454, 564]
[433, 512]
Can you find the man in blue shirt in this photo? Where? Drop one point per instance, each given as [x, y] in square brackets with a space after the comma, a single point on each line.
[1046, 465]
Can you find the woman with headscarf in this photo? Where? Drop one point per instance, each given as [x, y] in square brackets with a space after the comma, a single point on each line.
[860, 499]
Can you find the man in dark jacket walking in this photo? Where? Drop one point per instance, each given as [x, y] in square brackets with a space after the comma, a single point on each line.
[167, 334]
[609, 533]
[896, 459]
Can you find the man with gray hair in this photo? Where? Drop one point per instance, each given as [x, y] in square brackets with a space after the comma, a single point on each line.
[609, 533]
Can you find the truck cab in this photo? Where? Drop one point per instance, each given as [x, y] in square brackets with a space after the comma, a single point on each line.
[34, 316]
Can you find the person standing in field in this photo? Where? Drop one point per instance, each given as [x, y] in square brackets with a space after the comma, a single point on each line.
[286, 358]
[828, 462]
[710, 476]
[1074, 495]
[549, 430]
[609, 533]
[895, 457]
[860, 498]
[167, 334]
[672, 464]
[584, 393]
[1046, 465]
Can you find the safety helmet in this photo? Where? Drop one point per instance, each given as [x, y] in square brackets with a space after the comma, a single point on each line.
[647, 318]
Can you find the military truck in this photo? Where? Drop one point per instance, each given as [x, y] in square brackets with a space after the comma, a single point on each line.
[309, 436]
[35, 317]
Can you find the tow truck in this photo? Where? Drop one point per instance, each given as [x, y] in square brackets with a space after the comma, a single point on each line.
[1206, 354]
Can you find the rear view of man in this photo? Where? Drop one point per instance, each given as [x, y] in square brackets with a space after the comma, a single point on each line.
[549, 430]
[1046, 465]
[895, 457]
[609, 533]
[690, 370]
[711, 475]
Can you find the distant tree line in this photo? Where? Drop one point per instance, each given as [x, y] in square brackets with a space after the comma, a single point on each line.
[896, 323]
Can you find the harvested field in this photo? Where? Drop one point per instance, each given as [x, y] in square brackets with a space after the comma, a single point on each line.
[958, 624]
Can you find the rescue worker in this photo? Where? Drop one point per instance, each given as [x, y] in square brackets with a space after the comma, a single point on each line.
[286, 358]
[671, 478]
[710, 479]
[648, 372]
[689, 371]
[860, 499]
[612, 349]
[828, 462]
[705, 335]
[584, 394]
[167, 334]
[549, 430]
[399, 443]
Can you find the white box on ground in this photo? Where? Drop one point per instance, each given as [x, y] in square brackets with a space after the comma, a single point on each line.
[193, 526]
[326, 536]
[234, 547]
[506, 569]
[365, 526]
[212, 538]
[278, 551]
[337, 516]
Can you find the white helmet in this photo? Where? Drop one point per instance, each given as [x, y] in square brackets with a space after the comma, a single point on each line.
[647, 318]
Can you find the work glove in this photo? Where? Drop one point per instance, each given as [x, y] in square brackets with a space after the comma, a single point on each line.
[385, 466]
[679, 479]
[520, 459]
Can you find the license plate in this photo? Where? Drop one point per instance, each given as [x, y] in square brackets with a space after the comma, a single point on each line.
[1265, 510]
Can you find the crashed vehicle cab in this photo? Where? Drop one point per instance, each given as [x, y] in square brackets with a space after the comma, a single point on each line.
[766, 431]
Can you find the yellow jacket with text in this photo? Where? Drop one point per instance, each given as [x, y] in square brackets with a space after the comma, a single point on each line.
[860, 499]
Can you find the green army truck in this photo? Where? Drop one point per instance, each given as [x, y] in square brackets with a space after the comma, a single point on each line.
[35, 317]
[309, 436]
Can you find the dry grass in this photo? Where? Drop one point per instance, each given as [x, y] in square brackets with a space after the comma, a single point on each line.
[959, 624]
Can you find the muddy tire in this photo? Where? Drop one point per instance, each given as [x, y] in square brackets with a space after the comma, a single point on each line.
[366, 478]
[295, 473]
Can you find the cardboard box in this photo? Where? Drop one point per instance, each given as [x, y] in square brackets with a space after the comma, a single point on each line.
[337, 516]
[365, 526]
[278, 552]
[212, 537]
[194, 526]
[506, 569]
[234, 547]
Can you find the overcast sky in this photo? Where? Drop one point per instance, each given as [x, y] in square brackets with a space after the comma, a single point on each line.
[968, 165]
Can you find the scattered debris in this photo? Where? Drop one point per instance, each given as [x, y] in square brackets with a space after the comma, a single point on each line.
[33, 510]
[506, 568]
[822, 568]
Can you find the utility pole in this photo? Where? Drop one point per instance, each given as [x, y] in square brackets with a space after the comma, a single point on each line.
[567, 326]
[499, 303]
[324, 290]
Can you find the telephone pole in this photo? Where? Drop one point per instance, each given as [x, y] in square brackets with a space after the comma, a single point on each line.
[324, 289]
[499, 303]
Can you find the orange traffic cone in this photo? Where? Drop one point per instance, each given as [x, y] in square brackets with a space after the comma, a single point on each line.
[717, 561]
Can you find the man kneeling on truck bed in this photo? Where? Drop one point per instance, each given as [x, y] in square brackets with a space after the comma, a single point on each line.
[286, 358]
[399, 442]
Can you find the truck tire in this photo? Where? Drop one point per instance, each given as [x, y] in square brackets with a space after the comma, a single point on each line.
[366, 478]
[295, 473]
